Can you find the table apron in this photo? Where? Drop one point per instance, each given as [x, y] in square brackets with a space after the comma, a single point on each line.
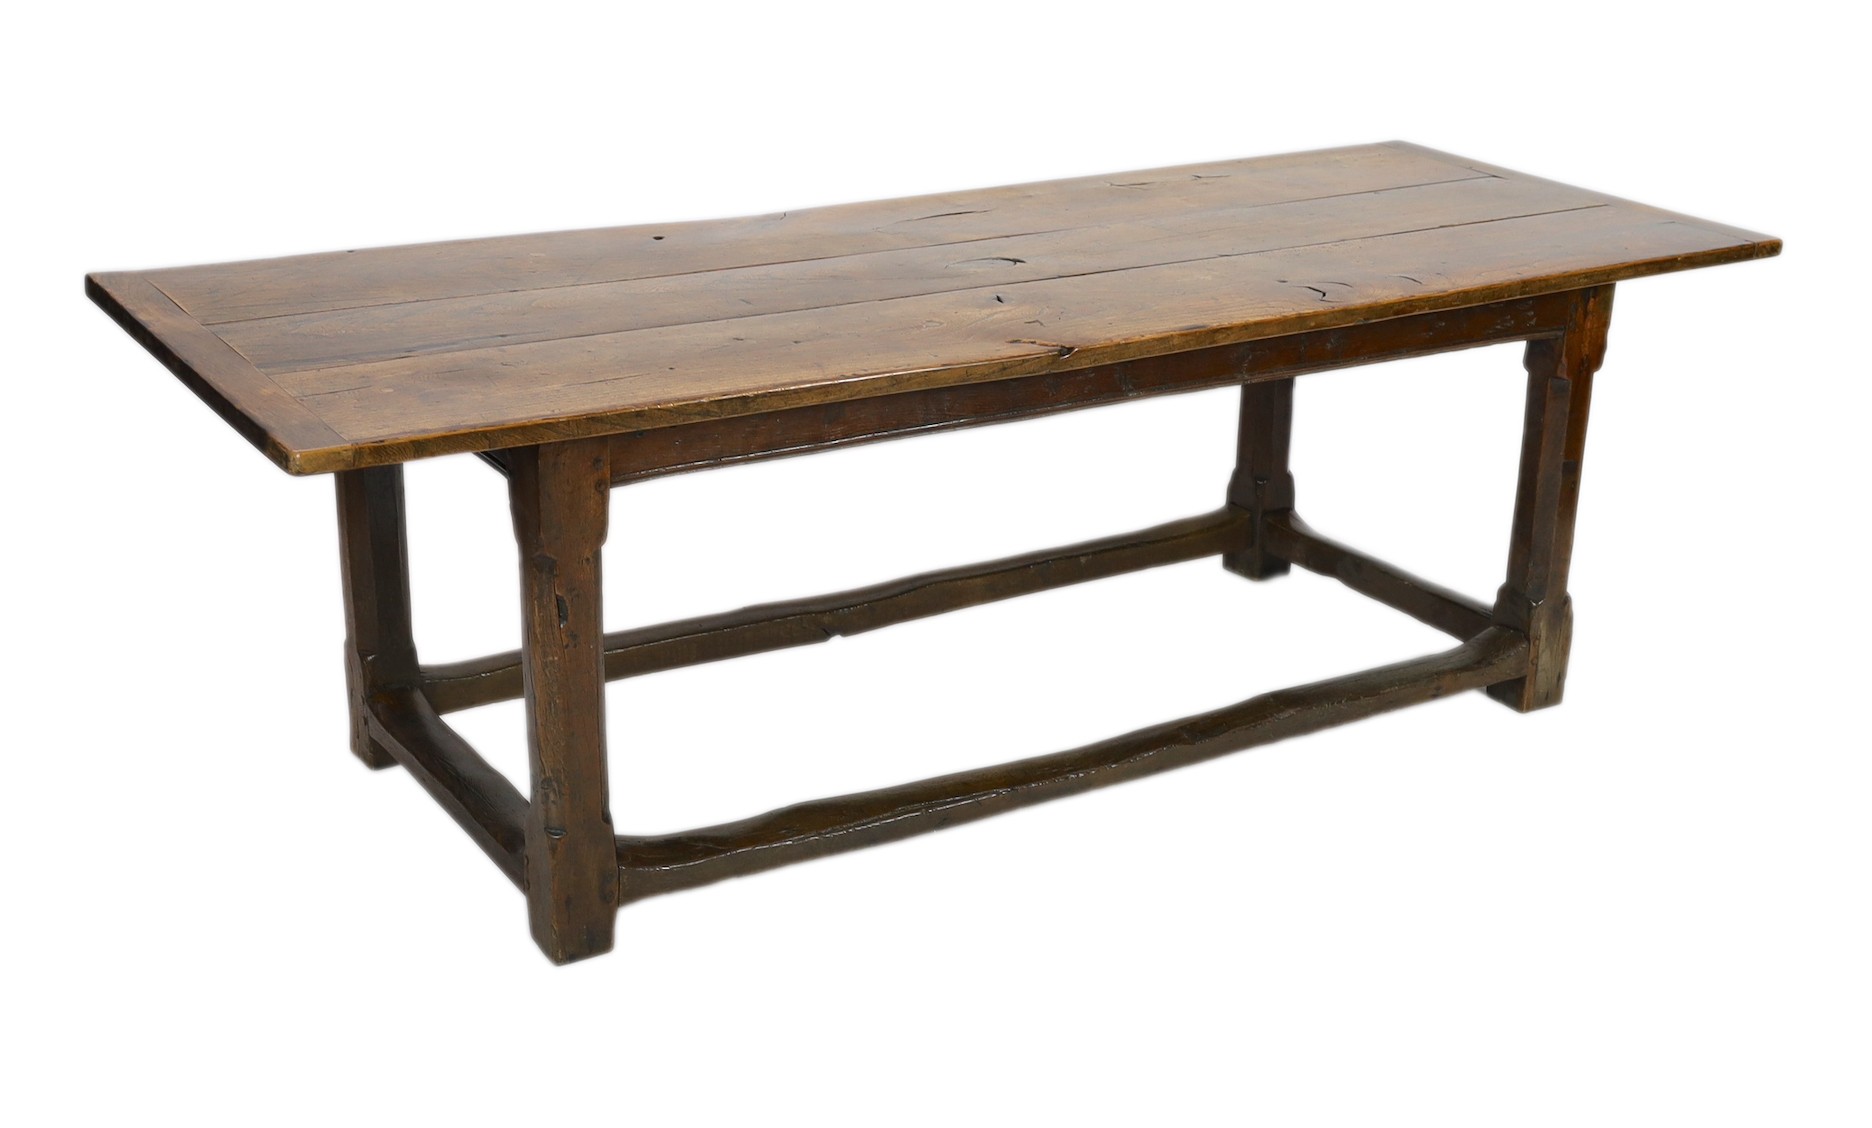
[708, 443]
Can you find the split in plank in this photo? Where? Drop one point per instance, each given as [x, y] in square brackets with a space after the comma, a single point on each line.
[339, 361]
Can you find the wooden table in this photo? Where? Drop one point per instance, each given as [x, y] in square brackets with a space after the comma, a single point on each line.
[577, 361]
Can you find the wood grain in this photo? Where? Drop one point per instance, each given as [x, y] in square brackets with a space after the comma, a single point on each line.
[390, 275]
[636, 455]
[665, 376]
[561, 496]
[1534, 599]
[373, 554]
[574, 361]
[357, 335]
[332, 362]
[243, 396]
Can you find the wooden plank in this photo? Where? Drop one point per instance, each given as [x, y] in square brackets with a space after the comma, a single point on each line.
[636, 455]
[382, 356]
[377, 276]
[775, 626]
[357, 335]
[1466, 164]
[475, 795]
[1432, 604]
[663, 864]
[658, 377]
[243, 396]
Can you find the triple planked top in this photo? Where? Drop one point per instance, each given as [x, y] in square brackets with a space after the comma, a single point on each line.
[361, 358]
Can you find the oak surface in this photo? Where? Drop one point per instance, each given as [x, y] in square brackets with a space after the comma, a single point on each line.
[354, 359]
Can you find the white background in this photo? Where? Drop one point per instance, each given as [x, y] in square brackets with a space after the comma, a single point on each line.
[1649, 906]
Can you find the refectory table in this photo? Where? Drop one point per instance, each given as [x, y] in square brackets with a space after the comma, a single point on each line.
[577, 361]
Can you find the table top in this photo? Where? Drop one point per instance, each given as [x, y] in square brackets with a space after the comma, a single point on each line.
[360, 358]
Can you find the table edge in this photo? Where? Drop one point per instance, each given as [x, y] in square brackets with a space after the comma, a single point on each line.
[503, 436]
[297, 440]
[276, 423]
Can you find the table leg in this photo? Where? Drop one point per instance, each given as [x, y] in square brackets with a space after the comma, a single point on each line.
[561, 502]
[1534, 599]
[380, 652]
[1262, 483]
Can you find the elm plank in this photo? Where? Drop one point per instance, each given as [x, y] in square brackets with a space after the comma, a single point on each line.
[659, 377]
[243, 396]
[1467, 165]
[636, 455]
[376, 276]
[350, 336]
